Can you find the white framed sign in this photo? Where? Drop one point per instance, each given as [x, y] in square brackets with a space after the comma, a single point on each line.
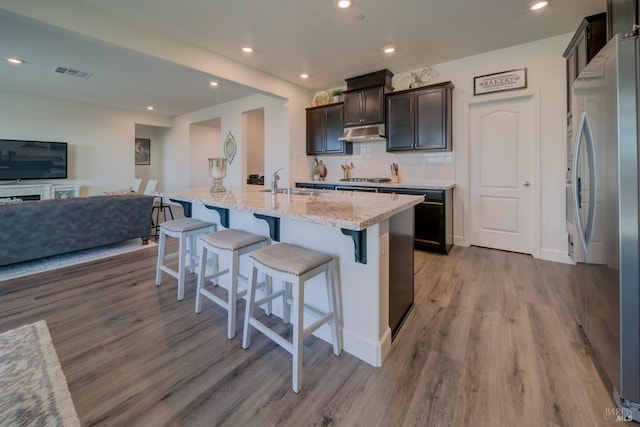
[498, 82]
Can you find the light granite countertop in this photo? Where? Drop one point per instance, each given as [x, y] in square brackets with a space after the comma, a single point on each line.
[348, 209]
[427, 185]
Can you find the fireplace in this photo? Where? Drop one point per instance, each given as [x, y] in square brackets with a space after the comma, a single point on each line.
[26, 191]
[27, 197]
[39, 191]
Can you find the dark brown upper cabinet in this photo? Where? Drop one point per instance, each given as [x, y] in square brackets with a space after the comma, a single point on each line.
[364, 98]
[420, 119]
[324, 127]
[364, 106]
[589, 38]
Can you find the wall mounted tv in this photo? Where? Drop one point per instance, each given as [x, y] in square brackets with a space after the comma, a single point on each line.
[32, 160]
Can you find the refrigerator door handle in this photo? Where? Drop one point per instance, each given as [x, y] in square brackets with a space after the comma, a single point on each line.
[584, 230]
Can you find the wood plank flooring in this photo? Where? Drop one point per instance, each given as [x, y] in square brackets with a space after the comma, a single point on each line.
[491, 342]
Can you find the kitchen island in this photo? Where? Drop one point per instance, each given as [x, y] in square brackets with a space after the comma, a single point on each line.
[364, 232]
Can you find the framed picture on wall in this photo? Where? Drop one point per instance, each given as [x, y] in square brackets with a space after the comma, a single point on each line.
[498, 82]
[143, 151]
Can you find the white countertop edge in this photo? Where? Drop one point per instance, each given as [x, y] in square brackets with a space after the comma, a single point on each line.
[314, 219]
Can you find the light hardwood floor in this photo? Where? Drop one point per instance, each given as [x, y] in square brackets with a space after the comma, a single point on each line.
[491, 342]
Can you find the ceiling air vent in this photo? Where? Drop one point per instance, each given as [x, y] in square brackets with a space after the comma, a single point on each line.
[72, 72]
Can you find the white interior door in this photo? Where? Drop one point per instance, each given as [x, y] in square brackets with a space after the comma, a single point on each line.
[502, 186]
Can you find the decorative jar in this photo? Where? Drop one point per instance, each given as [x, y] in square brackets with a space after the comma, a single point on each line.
[217, 172]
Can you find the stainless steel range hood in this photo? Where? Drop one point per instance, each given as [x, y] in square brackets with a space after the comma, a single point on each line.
[364, 133]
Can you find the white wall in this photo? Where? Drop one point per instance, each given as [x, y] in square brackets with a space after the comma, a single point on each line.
[546, 77]
[276, 139]
[255, 141]
[101, 154]
[204, 143]
[153, 170]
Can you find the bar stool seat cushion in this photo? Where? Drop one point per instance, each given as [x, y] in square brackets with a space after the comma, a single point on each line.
[290, 259]
[232, 240]
[185, 224]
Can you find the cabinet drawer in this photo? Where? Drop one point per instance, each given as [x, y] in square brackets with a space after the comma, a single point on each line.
[429, 195]
[434, 196]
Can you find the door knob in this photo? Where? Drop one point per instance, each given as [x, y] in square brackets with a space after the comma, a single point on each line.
[526, 183]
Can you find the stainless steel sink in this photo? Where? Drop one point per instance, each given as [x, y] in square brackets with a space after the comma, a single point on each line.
[292, 191]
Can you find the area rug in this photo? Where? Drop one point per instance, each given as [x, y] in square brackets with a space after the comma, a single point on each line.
[22, 269]
[33, 389]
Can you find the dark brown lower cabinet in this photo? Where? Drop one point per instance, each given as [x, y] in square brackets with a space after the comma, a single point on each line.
[433, 218]
[316, 186]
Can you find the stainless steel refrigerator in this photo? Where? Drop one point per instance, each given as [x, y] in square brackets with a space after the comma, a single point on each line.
[605, 201]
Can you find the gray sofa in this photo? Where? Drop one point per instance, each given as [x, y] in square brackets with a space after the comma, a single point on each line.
[37, 229]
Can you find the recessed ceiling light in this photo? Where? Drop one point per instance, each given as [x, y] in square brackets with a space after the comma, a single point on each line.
[15, 60]
[539, 5]
[247, 49]
[150, 107]
[389, 49]
[344, 3]
[213, 83]
[304, 76]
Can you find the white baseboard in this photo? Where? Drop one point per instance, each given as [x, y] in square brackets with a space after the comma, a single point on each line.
[459, 241]
[555, 255]
[373, 353]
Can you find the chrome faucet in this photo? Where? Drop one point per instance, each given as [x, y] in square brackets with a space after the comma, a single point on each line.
[274, 181]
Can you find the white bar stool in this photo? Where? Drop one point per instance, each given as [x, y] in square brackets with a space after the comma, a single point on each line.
[294, 266]
[186, 230]
[227, 243]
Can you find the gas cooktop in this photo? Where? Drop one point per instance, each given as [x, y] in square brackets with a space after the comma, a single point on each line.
[366, 179]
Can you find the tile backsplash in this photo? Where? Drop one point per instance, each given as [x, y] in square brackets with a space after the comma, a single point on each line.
[370, 159]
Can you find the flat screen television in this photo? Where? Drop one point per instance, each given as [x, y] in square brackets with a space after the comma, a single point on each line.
[21, 159]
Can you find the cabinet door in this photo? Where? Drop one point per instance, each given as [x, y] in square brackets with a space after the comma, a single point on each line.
[433, 124]
[304, 185]
[400, 122]
[572, 68]
[316, 124]
[353, 108]
[324, 186]
[581, 51]
[430, 226]
[334, 128]
[373, 105]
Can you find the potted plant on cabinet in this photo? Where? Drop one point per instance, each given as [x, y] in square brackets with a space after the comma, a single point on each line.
[337, 94]
[421, 76]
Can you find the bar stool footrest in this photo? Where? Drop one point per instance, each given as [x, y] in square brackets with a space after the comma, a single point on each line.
[169, 271]
[271, 334]
[268, 298]
[216, 274]
[214, 298]
[315, 325]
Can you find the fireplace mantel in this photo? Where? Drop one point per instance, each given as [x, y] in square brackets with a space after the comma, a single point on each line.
[42, 190]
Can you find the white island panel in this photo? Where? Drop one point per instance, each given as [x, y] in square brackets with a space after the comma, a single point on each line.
[317, 222]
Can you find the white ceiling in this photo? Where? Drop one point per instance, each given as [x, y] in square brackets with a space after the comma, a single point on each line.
[289, 37]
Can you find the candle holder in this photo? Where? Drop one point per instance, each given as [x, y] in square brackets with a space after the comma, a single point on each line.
[217, 171]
